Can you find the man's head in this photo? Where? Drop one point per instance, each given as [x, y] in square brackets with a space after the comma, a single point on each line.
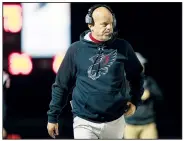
[102, 26]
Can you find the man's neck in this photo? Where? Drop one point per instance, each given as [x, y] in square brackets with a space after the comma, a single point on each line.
[94, 39]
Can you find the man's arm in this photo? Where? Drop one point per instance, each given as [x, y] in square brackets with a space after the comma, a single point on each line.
[65, 80]
[135, 76]
[154, 89]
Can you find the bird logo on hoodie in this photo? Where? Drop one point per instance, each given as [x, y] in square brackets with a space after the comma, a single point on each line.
[101, 64]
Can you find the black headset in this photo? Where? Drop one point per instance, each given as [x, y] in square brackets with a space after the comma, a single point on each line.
[89, 18]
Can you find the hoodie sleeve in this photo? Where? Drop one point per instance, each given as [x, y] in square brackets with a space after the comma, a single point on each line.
[134, 74]
[154, 89]
[64, 82]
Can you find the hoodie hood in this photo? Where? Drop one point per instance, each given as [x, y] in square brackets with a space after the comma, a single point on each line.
[91, 43]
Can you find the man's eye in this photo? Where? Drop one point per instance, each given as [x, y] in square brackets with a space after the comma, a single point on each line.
[104, 25]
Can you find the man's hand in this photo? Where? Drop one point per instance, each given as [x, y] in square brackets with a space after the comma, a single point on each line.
[4, 133]
[145, 95]
[131, 109]
[53, 129]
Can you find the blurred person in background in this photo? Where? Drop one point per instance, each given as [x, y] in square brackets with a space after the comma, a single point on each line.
[95, 68]
[142, 125]
[6, 85]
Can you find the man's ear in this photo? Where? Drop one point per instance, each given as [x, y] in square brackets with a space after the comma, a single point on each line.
[90, 27]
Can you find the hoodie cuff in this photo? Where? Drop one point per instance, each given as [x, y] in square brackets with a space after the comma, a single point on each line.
[136, 102]
[52, 119]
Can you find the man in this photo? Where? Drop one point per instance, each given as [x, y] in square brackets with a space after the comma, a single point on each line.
[94, 69]
[142, 124]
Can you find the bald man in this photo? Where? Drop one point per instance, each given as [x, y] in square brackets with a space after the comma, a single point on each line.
[94, 70]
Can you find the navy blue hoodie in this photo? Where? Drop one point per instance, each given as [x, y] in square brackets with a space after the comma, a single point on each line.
[95, 72]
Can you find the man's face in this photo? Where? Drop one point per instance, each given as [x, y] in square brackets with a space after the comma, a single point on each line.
[103, 25]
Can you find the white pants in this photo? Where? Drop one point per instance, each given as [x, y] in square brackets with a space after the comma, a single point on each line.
[84, 129]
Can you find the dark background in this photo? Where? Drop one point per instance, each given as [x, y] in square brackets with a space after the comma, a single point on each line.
[153, 29]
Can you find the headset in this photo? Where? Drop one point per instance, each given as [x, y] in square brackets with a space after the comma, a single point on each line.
[89, 18]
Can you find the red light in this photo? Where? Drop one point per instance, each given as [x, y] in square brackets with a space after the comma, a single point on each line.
[12, 14]
[20, 64]
[57, 60]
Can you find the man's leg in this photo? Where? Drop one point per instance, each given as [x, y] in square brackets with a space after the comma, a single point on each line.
[83, 130]
[131, 132]
[114, 129]
[149, 132]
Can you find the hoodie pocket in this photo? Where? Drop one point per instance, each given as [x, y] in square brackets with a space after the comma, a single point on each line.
[103, 102]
